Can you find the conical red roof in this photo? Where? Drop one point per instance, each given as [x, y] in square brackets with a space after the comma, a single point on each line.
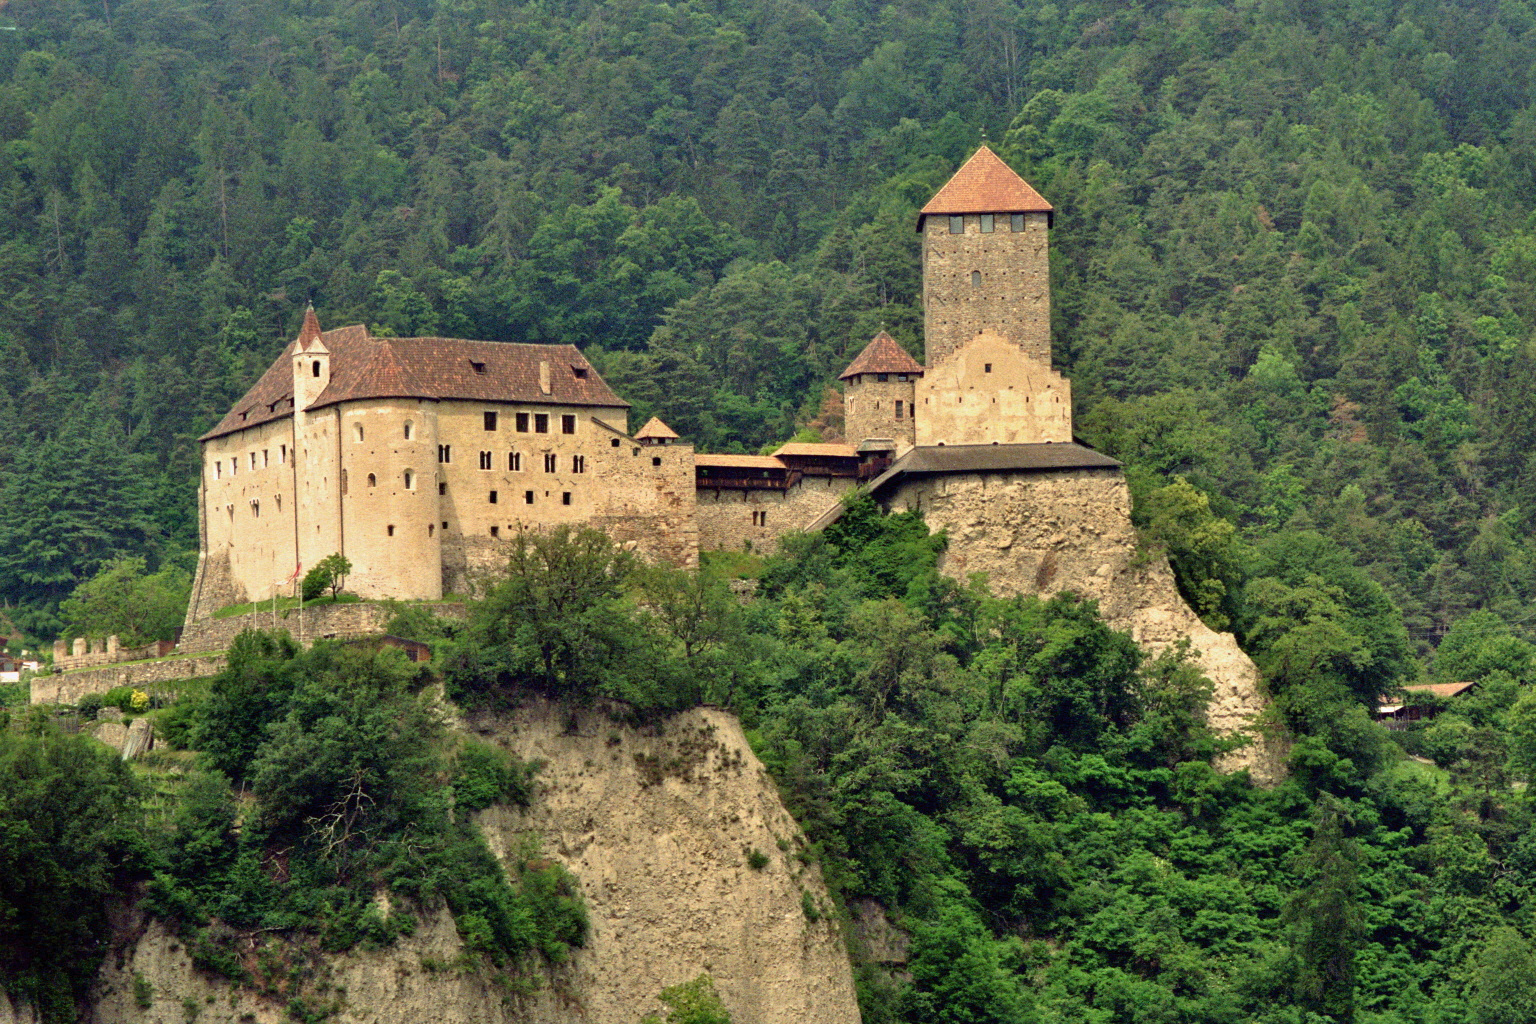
[654, 429]
[984, 184]
[310, 331]
[882, 355]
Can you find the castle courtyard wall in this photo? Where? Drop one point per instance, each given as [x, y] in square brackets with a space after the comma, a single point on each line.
[988, 392]
[726, 521]
[1043, 533]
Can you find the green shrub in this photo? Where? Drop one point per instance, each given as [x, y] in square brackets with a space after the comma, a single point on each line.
[757, 860]
[485, 775]
[143, 991]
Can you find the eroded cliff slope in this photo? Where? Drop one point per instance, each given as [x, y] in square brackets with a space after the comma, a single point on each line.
[660, 824]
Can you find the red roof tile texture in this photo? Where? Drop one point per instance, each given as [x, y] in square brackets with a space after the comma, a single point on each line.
[654, 428]
[364, 367]
[984, 184]
[882, 355]
[816, 451]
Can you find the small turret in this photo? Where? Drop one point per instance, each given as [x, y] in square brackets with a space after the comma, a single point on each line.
[655, 432]
[878, 402]
[311, 362]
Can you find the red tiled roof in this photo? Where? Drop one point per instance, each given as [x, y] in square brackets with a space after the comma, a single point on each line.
[984, 184]
[1440, 689]
[819, 451]
[655, 428]
[365, 367]
[310, 329]
[739, 461]
[883, 354]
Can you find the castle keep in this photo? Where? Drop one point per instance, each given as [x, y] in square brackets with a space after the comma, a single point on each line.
[417, 458]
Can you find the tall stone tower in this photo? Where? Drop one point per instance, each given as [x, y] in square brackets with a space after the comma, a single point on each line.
[985, 265]
[879, 402]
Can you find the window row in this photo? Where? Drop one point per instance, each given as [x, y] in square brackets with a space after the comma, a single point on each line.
[988, 223]
[539, 420]
[494, 498]
[515, 462]
[257, 461]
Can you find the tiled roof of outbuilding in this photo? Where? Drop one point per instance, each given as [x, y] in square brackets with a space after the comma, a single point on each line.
[365, 367]
[657, 429]
[738, 461]
[817, 451]
[883, 354]
[984, 184]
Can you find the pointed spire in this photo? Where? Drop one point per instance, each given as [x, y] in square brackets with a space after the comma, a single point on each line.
[984, 184]
[310, 331]
[883, 354]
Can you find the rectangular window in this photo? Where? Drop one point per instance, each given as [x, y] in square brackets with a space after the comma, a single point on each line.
[578, 463]
[759, 518]
[986, 223]
[264, 459]
[490, 421]
[442, 487]
[282, 454]
[527, 497]
[898, 408]
[550, 463]
[485, 460]
[541, 423]
[565, 497]
[234, 466]
[495, 531]
[957, 225]
[522, 423]
[390, 529]
[515, 462]
[445, 453]
[1017, 220]
[567, 424]
[493, 497]
[218, 470]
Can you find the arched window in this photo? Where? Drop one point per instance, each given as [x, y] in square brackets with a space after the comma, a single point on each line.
[372, 480]
[314, 368]
[407, 430]
[975, 279]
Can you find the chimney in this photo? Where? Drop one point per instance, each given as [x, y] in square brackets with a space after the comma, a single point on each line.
[544, 375]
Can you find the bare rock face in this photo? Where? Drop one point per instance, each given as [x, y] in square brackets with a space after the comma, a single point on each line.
[17, 1012]
[689, 864]
[659, 825]
[1038, 533]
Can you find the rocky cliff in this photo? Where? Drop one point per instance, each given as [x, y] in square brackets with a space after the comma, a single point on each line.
[688, 861]
[1043, 533]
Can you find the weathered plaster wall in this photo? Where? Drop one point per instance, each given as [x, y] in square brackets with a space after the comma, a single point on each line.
[1042, 533]
[1012, 296]
[656, 824]
[725, 514]
[987, 391]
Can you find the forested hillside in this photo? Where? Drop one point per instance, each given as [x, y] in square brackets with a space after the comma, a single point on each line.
[1293, 255]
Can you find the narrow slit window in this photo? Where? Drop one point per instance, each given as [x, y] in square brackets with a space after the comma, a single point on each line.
[578, 463]
[264, 458]
[390, 530]
[282, 454]
[410, 480]
[407, 430]
[975, 279]
[373, 481]
[357, 432]
[493, 497]
[314, 368]
[442, 487]
[899, 408]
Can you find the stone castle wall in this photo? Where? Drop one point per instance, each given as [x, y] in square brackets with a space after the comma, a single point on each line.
[1042, 533]
[979, 281]
[69, 687]
[306, 625]
[871, 407]
[725, 515]
[91, 652]
[988, 392]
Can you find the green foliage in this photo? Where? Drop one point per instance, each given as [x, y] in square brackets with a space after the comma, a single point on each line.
[67, 810]
[484, 775]
[692, 1002]
[125, 600]
[330, 573]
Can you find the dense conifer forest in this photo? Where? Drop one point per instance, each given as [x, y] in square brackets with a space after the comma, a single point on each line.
[1294, 283]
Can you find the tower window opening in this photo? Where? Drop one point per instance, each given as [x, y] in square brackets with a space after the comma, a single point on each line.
[431, 529]
[550, 462]
[975, 279]
[279, 499]
[986, 223]
[490, 421]
[493, 497]
[314, 368]
[495, 531]
[655, 460]
[410, 480]
[282, 454]
[957, 225]
[527, 497]
[883, 378]
[407, 430]
[373, 481]
[578, 463]
[445, 453]
[478, 367]
[264, 458]
[514, 462]
[218, 470]
[485, 460]
[987, 368]
[390, 530]
[442, 487]
[613, 443]
[1017, 220]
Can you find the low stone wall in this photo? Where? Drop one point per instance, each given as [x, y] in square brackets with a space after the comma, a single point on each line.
[69, 687]
[91, 652]
[306, 626]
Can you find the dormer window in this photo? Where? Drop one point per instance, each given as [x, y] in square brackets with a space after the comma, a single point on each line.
[580, 372]
[477, 367]
[957, 225]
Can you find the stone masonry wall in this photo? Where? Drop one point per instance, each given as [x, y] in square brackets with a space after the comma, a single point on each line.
[1042, 533]
[1011, 296]
[69, 687]
[725, 514]
[870, 406]
[317, 621]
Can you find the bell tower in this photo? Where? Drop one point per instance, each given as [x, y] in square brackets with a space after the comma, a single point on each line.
[986, 261]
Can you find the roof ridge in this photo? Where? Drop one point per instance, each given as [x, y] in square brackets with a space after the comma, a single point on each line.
[883, 354]
[985, 184]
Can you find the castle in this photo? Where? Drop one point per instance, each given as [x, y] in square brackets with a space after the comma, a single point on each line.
[417, 458]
